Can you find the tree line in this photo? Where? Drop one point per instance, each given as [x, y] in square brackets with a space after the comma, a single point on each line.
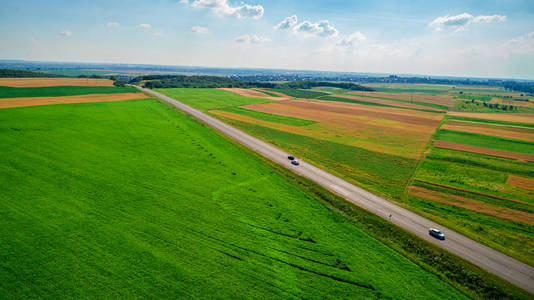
[10, 73]
[204, 81]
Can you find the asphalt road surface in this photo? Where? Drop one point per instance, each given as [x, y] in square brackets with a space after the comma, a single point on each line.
[491, 260]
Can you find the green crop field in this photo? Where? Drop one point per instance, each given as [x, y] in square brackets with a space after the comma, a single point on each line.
[300, 93]
[206, 99]
[56, 91]
[105, 200]
[485, 141]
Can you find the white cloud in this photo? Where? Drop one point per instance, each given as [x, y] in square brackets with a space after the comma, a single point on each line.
[158, 33]
[222, 7]
[144, 26]
[251, 39]
[199, 30]
[489, 19]
[463, 21]
[352, 39]
[321, 28]
[66, 33]
[113, 24]
[522, 45]
[184, 1]
[287, 23]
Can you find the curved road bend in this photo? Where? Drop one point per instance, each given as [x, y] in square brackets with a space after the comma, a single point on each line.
[491, 260]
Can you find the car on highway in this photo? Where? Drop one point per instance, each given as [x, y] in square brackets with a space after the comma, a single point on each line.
[436, 233]
[291, 157]
[294, 162]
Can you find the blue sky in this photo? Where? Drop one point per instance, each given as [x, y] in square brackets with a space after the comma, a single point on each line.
[491, 38]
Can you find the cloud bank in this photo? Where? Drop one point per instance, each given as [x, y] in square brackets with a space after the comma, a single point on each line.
[223, 8]
[251, 39]
[322, 28]
[463, 21]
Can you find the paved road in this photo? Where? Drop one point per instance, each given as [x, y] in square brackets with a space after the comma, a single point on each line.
[493, 261]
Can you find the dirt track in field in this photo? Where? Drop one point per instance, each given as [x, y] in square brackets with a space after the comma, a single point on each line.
[43, 82]
[474, 205]
[388, 102]
[252, 93]
[33, 101]
[486, 151]
[520, 118]
[524, 134]
[521, 182]
[442, 100]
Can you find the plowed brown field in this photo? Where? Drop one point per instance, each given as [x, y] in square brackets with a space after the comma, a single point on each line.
[524, 134]
[474, 205]
[442, 100]
[251, 93]
[31, 101]
[522, 182]
[520, 118]
[42, 82]
[486, 151]
[388, 102]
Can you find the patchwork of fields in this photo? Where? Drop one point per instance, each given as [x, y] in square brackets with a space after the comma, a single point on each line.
[18, 92]
[121, 205]
[474, 176]
[477, 179]
[47, 82]
[110, 199]
[373, 146]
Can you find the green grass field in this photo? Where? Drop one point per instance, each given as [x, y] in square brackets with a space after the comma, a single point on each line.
[132, 199]
[56, 91]
[300, 93]
[206, 99]
[485, 141]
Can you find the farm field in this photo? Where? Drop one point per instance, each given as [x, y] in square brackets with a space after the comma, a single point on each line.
[42, 82]
[375, 147]
[122, 208]
[39, 93]
[477, 179]
[32, 101]
[55, 91]
[380, 148]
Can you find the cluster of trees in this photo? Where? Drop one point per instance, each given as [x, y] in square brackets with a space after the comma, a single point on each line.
[308, 84]
[492, 106]
[10, 73]
[525, 87]
[91, 76]
[181, 81]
